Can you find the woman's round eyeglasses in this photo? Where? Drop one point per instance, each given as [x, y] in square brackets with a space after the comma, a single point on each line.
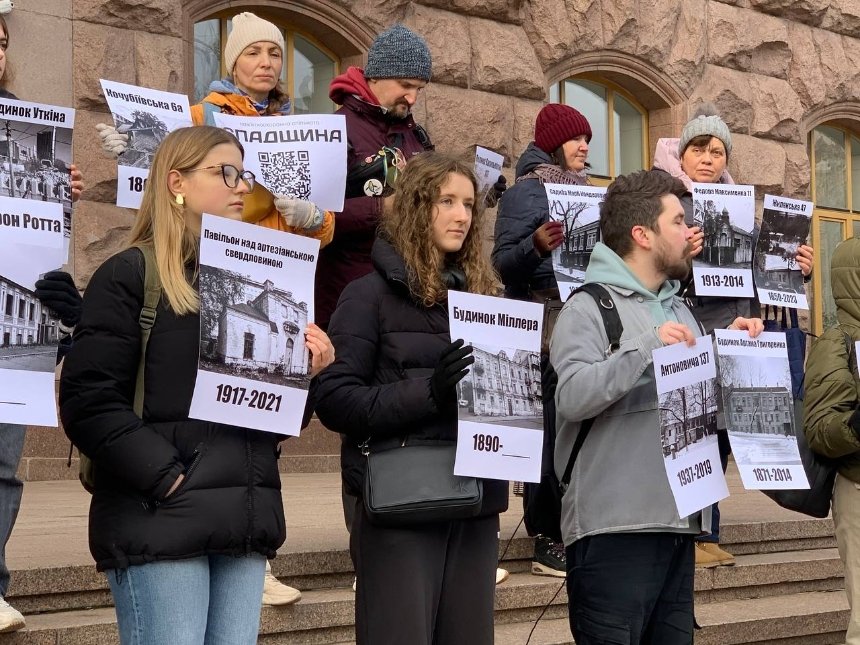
[232, 175]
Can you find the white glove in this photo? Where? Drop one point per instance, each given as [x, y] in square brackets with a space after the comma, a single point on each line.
[299, 213]
[6, 6]
[113, 143]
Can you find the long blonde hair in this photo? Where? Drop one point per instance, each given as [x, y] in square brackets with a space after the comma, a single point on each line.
[408, 227]
[161, 221]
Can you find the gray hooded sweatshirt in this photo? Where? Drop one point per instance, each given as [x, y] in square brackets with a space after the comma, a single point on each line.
[619, 483]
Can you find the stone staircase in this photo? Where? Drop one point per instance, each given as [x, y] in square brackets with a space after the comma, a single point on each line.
[786, 587]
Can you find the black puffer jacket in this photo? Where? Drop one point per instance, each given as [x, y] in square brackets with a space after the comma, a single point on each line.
[522, 210]
[386, 347]
[230, 501]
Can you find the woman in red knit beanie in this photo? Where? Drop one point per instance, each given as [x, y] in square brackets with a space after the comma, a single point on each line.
[524, 240]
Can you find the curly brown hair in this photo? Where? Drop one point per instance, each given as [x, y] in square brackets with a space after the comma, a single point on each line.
[408, 227]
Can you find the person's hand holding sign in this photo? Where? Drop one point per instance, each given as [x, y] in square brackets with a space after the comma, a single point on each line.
[322, 351]
[671, 332]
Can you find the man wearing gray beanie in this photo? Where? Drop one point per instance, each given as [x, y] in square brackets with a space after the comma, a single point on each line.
[377, 102]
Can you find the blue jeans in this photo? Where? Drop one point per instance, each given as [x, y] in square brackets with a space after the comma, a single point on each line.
[209, 600]
[11, 488]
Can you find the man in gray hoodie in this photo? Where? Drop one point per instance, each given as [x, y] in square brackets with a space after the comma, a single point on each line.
[630, 559]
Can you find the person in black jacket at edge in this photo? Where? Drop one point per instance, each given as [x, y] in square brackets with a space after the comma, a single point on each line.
[56, 290]
[524, 240]
[184, 512]
[394, 381]
[701, 155]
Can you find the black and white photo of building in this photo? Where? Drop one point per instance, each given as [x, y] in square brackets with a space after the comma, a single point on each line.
[145, 132]
[775, 266]
[34, 161]
[759, 409]
[581, 232]
[29, 333]
[251, 329]
[727, 244]
[688, 416]
[502, 388]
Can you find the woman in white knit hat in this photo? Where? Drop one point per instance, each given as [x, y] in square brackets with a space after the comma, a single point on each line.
[253, 57]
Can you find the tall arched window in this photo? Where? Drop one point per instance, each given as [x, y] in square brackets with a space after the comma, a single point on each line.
[619, 125]
[309, 66]
[834, 154]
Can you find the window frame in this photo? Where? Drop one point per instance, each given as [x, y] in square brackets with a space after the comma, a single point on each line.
[847, 218]
[611, 90]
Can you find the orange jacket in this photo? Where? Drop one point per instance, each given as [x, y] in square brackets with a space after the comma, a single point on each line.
[260, 204]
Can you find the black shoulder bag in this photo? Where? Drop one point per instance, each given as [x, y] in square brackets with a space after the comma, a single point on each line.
[820, 471]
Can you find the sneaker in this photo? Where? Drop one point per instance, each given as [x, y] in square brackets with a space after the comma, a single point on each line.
[704, 558]
[276, 592]
[501, 575]
[11, 619]
[724, 558]
[550, 558]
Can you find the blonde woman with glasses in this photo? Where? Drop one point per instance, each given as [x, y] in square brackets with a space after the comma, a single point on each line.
[184, 512]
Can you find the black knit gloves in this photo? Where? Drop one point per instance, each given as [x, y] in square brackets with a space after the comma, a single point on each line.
[57, 291]
[449, 371]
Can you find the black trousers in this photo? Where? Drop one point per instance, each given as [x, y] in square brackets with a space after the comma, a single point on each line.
[433, 584]
[631, 589]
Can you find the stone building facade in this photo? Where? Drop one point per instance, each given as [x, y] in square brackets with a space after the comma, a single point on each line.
[266, 332]
[23, 321]
[784, 73]
[499, 385]
[762, 410]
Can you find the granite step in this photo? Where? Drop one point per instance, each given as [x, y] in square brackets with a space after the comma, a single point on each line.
[815, 618]
[754, 576]
[812, 618]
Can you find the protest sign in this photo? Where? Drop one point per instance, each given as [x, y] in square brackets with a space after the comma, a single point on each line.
[488, 168]
[784, 227]
[500, 430]
[31, 244]
[147, 117]
[759, 409]
[303, 157]
[256, 298]
[36, 157]
[578, 208]
[687, 405]
[726, 215]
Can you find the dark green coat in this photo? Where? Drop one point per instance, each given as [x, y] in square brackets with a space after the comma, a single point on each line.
[831, 421]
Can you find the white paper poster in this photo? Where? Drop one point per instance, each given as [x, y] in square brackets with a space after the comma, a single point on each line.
[784, 227]
[500, 430]
[38, 168]
[147, 117]
[256, 298]
[578, 208]
[31, 244]
[488, 167]
[687, 403]
[726, 215]
[759, 409]
[300, 156]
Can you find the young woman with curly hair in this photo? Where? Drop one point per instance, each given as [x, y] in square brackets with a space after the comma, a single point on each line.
[394, 383]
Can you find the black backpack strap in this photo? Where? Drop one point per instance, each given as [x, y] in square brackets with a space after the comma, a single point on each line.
[606, 305]
[614, 328]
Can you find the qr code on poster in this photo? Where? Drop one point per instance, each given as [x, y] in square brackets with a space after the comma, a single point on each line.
[287, 173]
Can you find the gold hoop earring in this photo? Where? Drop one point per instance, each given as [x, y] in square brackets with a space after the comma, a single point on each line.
[180, 199]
